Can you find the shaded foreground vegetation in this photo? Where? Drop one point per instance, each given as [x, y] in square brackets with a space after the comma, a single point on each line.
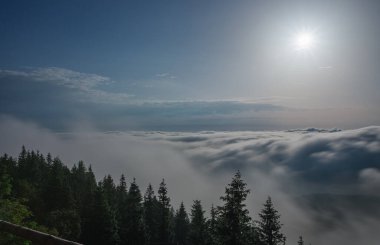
[42, 193]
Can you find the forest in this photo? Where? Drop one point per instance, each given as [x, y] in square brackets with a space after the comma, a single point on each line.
[42, 193]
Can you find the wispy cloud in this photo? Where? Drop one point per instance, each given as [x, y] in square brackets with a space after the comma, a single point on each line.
[166, 75]
[60, 76]
[85, 83]
[57, 95]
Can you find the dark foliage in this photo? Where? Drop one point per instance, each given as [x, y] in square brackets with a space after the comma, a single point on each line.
[44, 194]
[269, 226]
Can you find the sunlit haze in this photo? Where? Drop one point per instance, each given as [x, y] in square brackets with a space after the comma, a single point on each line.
[304, 40]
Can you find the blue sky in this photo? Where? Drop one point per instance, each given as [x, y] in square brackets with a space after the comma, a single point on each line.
[225, 65]
[74, 73]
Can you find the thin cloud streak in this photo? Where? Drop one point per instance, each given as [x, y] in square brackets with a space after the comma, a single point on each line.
[87, 84]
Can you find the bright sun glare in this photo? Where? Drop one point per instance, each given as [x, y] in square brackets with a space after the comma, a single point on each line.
[304, 41]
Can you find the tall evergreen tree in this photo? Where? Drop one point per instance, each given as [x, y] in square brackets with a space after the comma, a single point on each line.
[198, 226]
[49, 159]
[300, 241]
[102, 224]
[58, 193]
[164, 213]
[212, 226]
[5, 178]
[88, 204]
[122, 209]
[171, 224]
[151, 216]
[134, 219]
[122, 187]
[181, 226]
[22, 158]
[269, 226]
[109, 189]
[79, 186]
[234, 223]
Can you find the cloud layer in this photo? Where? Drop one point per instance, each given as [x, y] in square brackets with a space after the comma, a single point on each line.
[293, 167]
[324, 158]
[57, 98]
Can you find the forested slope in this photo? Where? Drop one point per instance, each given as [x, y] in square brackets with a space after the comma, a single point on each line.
[41, 192]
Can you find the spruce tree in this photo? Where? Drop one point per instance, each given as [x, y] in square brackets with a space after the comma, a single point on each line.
[198, 226]
[151, 210]
[122, 209]
[5, 179]
[101, 227]
[121, 196]
[88, 205]
[300, 241]
[133, 217]
[269, 226]
[181, 226]
[164, 213]
[79, 186]
[122, 187]
[109, 190]
[212, 226]
[234, 223]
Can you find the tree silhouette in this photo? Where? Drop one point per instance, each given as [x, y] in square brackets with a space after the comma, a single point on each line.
[181, 226]
[164, 213]
[150, 215]
[198, 225]
[300, 241]
[233, 219]
[269, 226]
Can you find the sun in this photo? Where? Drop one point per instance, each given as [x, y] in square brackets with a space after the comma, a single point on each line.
[304, 41]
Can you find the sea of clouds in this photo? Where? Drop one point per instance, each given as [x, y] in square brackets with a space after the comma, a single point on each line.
[324, 182]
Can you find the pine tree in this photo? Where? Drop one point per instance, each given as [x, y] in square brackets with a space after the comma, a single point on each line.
[102, 225]
[121, 198]
[171, 225]
[164, 213]
[122, 209]
[57, 189]
[122, 187]
[88, 199]
[300, 241]
[198, 225]
[109, 190]
[234, 223]
[49, 159]
[5, 178]
[269, 226]
[78, 183]
[212, 226]
[151, 210]
[181, 226]
[133, 217]
[22, 157]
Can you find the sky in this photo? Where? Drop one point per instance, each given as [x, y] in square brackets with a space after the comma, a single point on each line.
[190, 65]
[192, 91]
